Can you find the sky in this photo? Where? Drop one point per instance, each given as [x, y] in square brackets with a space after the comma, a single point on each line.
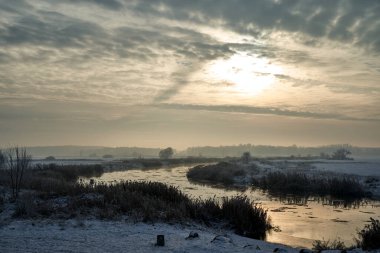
[189, 73]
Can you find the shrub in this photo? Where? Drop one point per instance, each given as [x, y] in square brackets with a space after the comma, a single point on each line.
[2, 202]
[320, 245]
[50, 158]
[247, 218]
[17, 161]
[222, 172]
[369, 236]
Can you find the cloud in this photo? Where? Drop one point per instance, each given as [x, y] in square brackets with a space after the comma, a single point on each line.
[15, 6]
[261, 110]
[350, 21]
[149, 51]
[108, 4]
[51, 29]
[73, 44]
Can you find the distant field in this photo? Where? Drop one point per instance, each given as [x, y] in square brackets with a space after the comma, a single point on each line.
[361, 167]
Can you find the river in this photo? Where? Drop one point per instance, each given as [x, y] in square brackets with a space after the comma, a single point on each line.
[299, 224]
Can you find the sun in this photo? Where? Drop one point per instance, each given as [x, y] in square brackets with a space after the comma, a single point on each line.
[247, 74]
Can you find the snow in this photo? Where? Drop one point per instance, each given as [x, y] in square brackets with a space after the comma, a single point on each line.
[121, 236]
[361, 167]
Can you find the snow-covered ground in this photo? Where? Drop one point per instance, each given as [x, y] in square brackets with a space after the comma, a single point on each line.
[123, 236]
[361, 167]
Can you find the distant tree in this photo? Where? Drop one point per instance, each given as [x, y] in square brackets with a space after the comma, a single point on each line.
[341, 154]
[50, 158]
[2, 160]
[246, 157]
[323, 155]
[136, 155]
[17, 161]
[166, 153]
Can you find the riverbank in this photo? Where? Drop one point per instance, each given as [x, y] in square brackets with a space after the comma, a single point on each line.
[282, 177]
[121, 236]
[124, 236]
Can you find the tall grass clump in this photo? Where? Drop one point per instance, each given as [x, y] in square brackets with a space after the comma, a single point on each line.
[320, 245]
[247, 218]
[69, 173]
[280, 183]
[369, 236]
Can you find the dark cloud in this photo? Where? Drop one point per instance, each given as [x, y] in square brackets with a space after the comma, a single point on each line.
[108, 4]
[51, 29]
[56, 30]
[15, 6]
[262, 110]
[348, 21]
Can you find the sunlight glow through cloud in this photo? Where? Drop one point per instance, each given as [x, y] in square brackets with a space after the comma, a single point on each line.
[245, 73]
[313, 60]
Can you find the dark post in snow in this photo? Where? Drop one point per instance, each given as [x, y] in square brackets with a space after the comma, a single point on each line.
[160, 240]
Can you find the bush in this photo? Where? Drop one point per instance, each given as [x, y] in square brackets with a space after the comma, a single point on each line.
[247, 218]
[222, 172]
[2, 202]
[17, 162]
[369, 236]
[319, 245]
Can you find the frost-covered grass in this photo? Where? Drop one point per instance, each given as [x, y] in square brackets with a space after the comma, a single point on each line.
[146, 201]
[54, 191]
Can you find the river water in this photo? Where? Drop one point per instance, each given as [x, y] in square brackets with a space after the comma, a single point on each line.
[299, 224]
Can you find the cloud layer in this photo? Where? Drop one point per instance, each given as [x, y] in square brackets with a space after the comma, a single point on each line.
[312, 59]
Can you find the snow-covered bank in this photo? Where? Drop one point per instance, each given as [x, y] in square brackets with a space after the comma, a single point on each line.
[123, 236]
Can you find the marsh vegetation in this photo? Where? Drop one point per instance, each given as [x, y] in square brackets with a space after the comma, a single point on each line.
[301, 184]
[56, 191]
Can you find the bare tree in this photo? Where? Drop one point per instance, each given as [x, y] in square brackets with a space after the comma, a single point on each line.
[17, 161]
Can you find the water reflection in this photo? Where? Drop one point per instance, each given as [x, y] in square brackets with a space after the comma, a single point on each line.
[325, 201]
